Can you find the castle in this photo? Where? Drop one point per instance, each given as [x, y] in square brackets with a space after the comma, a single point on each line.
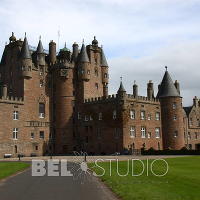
[59, 103]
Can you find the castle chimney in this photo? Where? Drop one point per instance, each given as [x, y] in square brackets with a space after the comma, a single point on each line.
[195, 101]
[75, 52]
[52, 52]
[5, 91]
[150, 90]
[177, 85]
[135, 90]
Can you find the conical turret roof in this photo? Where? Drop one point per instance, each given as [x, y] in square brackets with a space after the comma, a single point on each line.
[103, 59]
[121, 88]
[40, 48]
[25, 53]
[167, 88]
[83, 57]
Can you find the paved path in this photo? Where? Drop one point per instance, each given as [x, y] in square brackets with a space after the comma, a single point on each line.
[26, 187]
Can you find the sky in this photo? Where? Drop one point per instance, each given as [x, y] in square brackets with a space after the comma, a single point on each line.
[139, 37]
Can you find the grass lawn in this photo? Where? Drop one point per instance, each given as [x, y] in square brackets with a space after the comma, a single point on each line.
[9, 168]
[182, 182]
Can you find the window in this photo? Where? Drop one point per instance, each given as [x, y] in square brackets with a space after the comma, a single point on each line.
[79, 115]
[32, 135]
[157, 116]
[175, 117]
[36, 148]
[15, 133]
[189, 136]
[15, 115]
[143, 132]
[149, 117]
[42, 134]
[91, 118]
[149, 135]
[105, 75]
[116, 133]
[132, 114]
[100, 116]
[96, 72]
[114, 114]
[98, 133]
[175, 134]
[190, 146]
[86, 118]
[41, 71]
[88, 72]
[132, 131]
[41, 110]
[157, 132]
[142, 115]
[196, 136]
[96, 86]
[41, 83]
[174, 105]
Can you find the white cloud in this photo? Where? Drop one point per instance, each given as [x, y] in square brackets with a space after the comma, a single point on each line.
[183, 64]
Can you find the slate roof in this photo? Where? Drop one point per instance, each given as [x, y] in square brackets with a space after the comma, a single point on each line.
[40, 48]
[103, 59]
[25, 53]
[167, 88]
[83, 56]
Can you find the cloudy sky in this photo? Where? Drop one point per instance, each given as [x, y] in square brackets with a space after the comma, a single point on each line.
[140, 37]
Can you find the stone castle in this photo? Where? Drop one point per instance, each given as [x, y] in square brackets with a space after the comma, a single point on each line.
[59, 103]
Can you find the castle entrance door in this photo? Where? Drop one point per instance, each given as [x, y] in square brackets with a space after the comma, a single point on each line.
[197, 146]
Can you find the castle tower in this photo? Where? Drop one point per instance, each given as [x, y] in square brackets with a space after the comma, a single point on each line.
[89, 69]
[104, 69]
[64, 103]
[40, 54]
[26, 60]
[171, 114]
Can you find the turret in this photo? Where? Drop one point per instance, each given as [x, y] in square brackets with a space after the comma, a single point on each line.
[104, 70]
[40, 54]
[150, 90]
[26, 60]
[75, 52]
[121, 91]
[84, 65]
[52, 52]
[135, 90]
[172, 114]
[177, 85]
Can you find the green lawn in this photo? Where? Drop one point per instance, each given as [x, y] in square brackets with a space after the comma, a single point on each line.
[182, 182]
[9, 168]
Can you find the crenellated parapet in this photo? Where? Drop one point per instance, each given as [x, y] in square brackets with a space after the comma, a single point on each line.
[101, 99]
[143, 98]
[12, 100]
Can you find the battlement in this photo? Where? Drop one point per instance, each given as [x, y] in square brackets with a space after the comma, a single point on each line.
[12, 100]
[143, 98]
[101, 99]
